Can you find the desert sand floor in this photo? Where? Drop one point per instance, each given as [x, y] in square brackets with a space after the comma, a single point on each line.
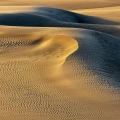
[60, 65]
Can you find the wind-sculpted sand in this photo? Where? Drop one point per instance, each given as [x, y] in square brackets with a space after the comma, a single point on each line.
[58, 65]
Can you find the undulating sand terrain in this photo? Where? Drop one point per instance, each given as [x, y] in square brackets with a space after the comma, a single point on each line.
[60, 60]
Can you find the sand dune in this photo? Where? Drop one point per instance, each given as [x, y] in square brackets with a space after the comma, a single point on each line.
[46, 14]
[59, 65]
[51, 17]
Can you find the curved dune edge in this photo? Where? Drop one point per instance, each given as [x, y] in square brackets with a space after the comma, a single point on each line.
[49, 52]
[47, 47]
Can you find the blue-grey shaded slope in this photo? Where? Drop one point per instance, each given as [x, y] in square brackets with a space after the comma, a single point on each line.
[52, 17]
[43, 14]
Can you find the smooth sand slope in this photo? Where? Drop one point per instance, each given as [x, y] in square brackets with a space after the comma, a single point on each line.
[109, 13]
[51, 68]
[63, 4]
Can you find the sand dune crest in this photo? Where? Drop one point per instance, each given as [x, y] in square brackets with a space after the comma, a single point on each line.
[44, 47]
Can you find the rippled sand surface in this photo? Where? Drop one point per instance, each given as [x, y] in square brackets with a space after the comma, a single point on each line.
[60, 64]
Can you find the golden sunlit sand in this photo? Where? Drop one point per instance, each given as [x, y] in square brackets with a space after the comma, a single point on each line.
[59, 65]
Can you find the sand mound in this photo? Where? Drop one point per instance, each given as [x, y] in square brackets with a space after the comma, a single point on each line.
[57, 70]
[45, 48]
[41, 15]
[51, 17]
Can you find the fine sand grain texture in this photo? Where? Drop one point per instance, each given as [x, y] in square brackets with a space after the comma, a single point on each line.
[60, 64]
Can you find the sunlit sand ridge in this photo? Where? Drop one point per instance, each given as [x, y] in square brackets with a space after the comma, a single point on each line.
[53, 69]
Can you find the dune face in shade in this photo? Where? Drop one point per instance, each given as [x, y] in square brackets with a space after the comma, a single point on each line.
[53, 17]
[59, 65]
